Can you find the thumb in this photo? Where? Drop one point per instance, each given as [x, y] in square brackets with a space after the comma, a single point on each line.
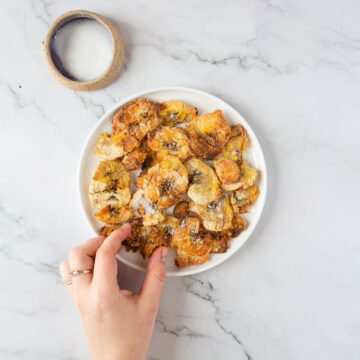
[105, 269]
[154, 280]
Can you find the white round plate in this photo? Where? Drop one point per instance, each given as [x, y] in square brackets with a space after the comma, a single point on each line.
[205, 103]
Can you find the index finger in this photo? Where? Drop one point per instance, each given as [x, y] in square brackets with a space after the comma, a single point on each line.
[105, 271]
[90, 246]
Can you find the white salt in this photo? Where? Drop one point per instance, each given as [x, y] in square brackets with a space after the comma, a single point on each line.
[84, 48]
[139, 200]
[147, 206]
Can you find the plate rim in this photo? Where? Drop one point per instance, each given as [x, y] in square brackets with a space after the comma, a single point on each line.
[264, 174]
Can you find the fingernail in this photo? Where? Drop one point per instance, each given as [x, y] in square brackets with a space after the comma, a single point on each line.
[164, 251]
[126, 226]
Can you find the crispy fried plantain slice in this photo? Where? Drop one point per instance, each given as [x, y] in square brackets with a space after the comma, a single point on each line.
[110, 147]
[107, 229]
[134, 159]
[234, 149]
[227, 164]
[112, 173]
[167, 140]
[247, 178]
[145, 210]
[173, 112]
[221, 239]
[201, 148]
[219, 242]
[145, 239]
[204, 185]
[242, 199]
[213, 127]
[114, 215]
[138, 117]
[192, 245]
[149, 162]
[110, 185]
[239, 131]
[227, 170]
[237, 144]
[181, 209]
[238, 225]
[169, 226]
[114, 198]
[208, 134]
[165, 182]
[215, 216]
[135, 240]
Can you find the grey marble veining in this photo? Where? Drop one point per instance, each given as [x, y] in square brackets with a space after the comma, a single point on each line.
[292, 68]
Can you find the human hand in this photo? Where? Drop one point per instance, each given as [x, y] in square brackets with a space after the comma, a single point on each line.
[118, 324]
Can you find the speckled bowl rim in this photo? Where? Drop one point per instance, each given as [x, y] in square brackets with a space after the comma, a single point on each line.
[263, 189]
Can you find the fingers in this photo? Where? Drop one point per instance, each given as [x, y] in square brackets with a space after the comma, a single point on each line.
[64, 269]
[82, 258]
[105, 271]
[154, 281]
[90, 246]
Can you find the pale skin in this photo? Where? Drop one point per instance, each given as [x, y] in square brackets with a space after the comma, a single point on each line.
[117, 323]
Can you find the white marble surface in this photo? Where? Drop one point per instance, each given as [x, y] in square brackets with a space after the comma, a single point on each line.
[293, 69]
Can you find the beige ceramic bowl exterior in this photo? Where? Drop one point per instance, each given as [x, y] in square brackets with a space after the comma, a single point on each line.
[116, 63]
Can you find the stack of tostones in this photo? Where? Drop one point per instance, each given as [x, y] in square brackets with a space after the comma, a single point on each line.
[190, 164]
